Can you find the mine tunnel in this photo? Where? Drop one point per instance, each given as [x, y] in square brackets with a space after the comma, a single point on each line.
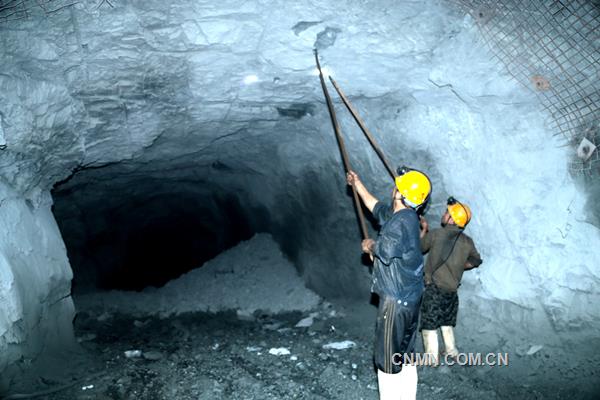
[129, 240]
[178, 224]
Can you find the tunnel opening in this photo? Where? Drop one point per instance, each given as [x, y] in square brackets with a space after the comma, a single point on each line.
[144, 238]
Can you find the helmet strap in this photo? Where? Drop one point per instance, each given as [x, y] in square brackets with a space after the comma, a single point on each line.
[406, 203]
[402, 200]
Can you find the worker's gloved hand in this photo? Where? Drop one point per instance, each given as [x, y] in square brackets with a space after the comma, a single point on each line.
[352, 178]
[367, 246]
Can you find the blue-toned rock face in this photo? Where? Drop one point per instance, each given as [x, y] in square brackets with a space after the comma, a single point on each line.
[180, 128]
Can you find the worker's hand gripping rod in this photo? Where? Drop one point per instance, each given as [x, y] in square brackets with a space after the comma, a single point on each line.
[362, 126]
[342, 146]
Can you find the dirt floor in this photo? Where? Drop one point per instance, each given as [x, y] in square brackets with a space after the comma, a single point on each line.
[227, 356]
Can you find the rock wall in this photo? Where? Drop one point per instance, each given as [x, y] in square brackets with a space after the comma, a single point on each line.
[35, 284]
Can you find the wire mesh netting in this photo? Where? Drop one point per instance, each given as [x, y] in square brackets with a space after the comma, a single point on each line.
[11, 10]
[553, 48]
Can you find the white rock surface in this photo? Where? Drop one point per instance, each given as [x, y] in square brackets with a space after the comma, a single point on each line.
[489, 139]
[305, 322]
[343, 345]
[279, 351]
[36, 309]
[534, 349]
[132, 353]
[252, 276]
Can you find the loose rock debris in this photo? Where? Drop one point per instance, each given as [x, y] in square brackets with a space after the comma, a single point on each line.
[220, 356]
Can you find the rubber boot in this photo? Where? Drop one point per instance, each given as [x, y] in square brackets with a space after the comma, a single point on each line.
[430, 342]
[449, 343]
[388, 385]
[408, 382]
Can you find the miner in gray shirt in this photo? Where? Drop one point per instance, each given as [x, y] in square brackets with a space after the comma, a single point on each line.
[451, 252]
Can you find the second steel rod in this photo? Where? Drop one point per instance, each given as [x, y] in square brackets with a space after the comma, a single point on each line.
[362, 126]
[340, 140]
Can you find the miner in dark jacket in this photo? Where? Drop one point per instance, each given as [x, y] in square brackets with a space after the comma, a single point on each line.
[397, 279]
[451, 252]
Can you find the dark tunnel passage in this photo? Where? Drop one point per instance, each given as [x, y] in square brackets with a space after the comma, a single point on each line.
[133, 226]
[147, 239]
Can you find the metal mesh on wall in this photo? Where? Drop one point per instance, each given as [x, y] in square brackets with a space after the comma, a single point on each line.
[11, 10]
[552, 47]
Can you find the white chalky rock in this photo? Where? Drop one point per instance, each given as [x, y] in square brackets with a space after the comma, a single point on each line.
[346, 344]
[133, 353]
[280, 351]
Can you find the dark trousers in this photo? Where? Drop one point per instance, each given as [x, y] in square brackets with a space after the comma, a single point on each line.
[395, 333]
[438, 308]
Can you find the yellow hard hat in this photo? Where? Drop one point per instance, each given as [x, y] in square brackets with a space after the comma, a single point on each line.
[460, 212]
[414, 186]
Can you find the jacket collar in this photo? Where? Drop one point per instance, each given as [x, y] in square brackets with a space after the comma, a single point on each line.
[452, 228]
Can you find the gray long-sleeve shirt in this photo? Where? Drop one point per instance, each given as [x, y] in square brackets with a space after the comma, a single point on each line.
[398, 266]
[438, 242]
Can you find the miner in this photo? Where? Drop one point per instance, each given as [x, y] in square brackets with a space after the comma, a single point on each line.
[397, 278]
[451, 252]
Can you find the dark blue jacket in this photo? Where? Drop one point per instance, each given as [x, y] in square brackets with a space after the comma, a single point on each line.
[398, 268]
